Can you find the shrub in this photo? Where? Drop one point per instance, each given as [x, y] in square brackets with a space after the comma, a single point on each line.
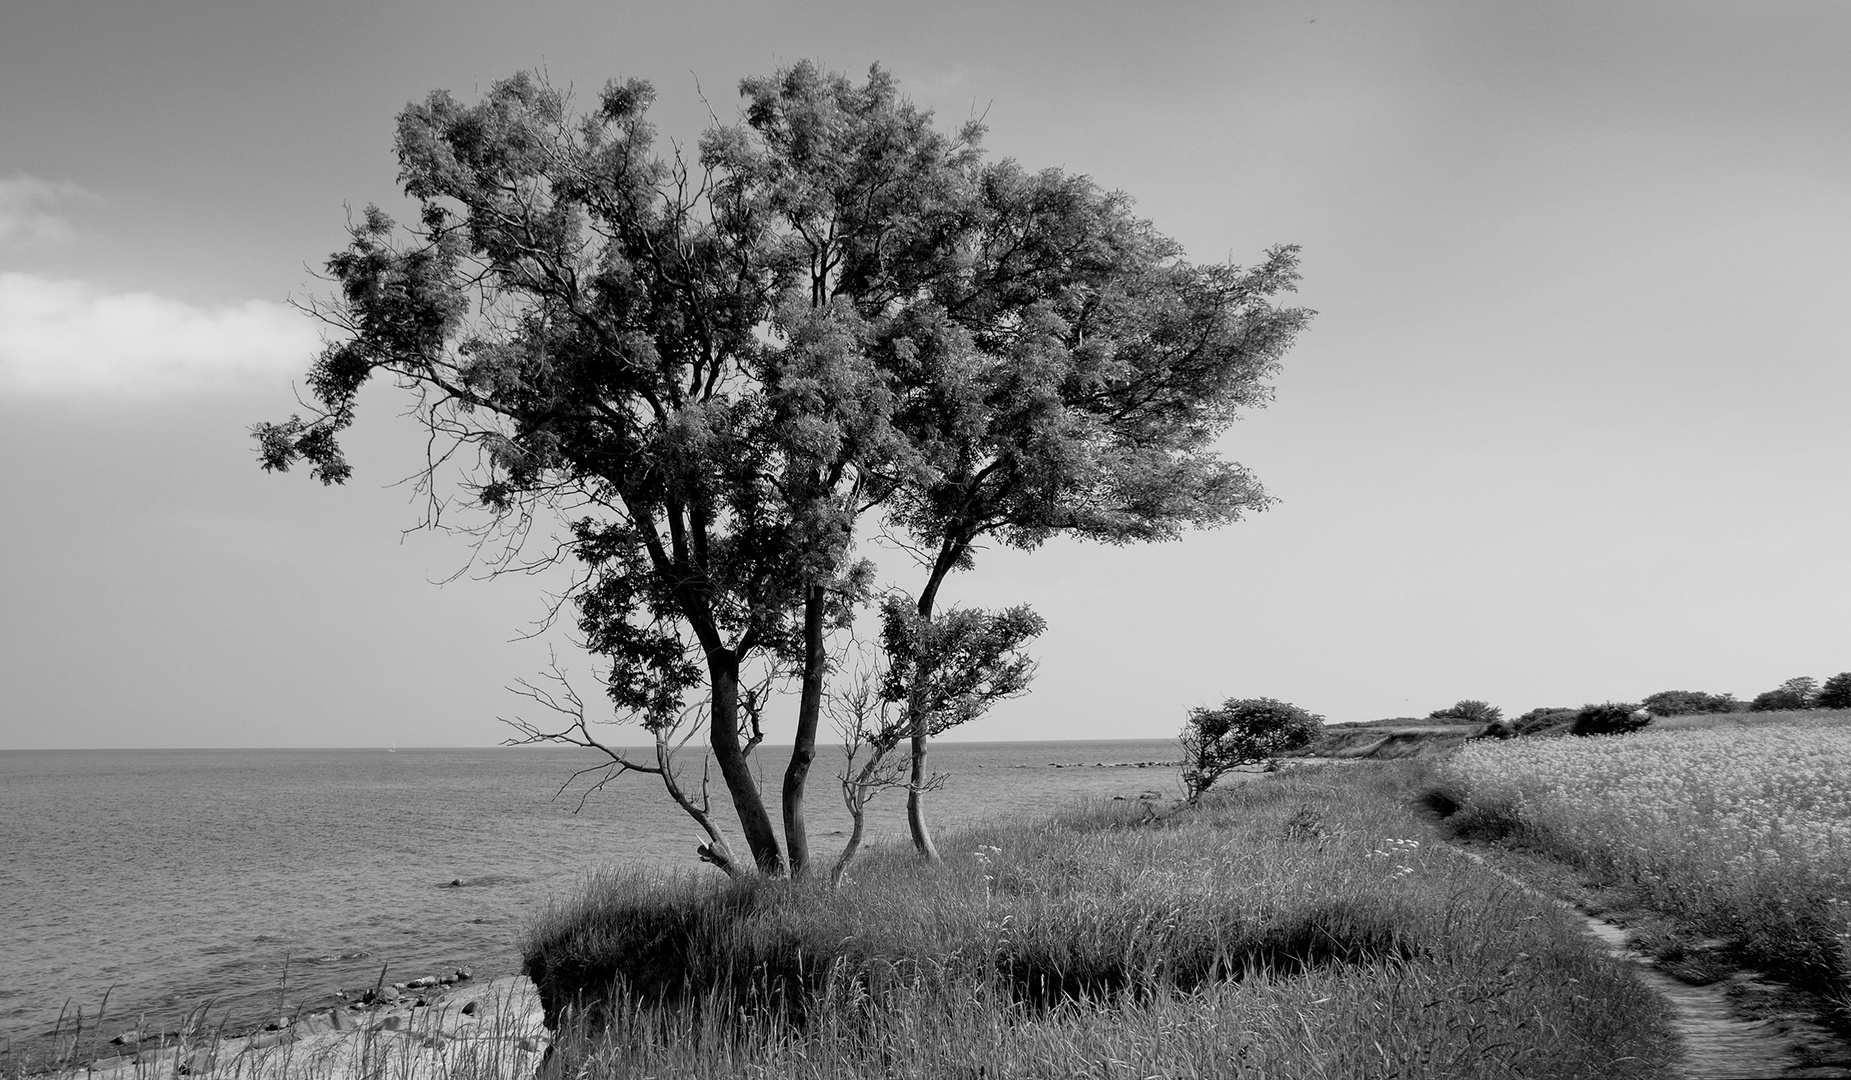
[1243, 731]
[1469, 711]
[1609, 718]
[1777, 701]
[1688, 702]
[1542, 720]
[1836, 693]
[1798, 692]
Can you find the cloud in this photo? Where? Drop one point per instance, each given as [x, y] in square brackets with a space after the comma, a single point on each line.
[28, 215]
[68, 340]
[938, 85]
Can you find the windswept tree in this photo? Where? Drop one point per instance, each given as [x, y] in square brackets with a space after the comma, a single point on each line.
[711, 371]
[1243, 731]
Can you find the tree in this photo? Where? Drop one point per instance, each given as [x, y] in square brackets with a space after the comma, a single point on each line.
[713, 371]
[1836, 693]
[1469, 711]
[675, 360]
[1686, 702]
[1243, 731]
[866, 724]
[1795, 693]
[951, 668]
[1072, 381]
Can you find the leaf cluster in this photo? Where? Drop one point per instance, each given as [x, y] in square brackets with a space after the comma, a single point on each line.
[951, 668]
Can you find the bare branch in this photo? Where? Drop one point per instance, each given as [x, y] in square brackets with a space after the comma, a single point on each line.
[560, 698]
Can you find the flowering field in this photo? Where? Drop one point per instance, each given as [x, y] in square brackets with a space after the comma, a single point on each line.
[1741, 832]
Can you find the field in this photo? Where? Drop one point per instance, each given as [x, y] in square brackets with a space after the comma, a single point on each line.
[1303, 924]
[1736, 827]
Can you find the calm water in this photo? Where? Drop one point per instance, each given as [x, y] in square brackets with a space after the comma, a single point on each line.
[167, 878]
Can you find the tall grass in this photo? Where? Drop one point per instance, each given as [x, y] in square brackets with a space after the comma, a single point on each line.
[1296, 926]
[1737, 830]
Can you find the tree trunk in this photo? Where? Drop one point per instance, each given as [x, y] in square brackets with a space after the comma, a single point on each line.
[809, 708]
[723, 734]
[915, 792]
[948, 554]
[856, 792]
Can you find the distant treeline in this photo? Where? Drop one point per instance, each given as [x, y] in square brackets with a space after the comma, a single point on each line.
[1610, 717]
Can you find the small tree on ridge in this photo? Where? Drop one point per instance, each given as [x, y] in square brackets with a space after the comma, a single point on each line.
[1243, 731]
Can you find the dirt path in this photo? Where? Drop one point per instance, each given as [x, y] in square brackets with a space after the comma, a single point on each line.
[1719, 1042]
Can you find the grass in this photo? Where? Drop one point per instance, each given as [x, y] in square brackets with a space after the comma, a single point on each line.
[496, 1040]
[1735, 827]
[1298, 925]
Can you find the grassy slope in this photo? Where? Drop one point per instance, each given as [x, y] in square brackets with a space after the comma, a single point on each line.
[1390, 742]
[1294, 926]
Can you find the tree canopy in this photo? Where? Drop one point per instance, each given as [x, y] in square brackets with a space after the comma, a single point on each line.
[712, 370]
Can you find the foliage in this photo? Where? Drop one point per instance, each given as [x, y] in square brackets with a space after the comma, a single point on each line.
[715, 368]
[1778, 700]
[952, 668]
[1740, 832]
[1609, 718]
[1544, 719]
[1796, 693]
[1688, 702]
[1243, 731]
[1836, 693]
[1469, 711]
[1294, 926]
[1074, 380]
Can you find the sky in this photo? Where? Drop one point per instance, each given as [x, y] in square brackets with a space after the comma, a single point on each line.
[1568, 426]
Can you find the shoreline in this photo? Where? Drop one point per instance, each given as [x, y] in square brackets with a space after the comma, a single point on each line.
[420, 1030]
[96, 1043]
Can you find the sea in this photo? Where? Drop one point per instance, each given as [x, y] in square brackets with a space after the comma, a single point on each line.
[148, 884]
